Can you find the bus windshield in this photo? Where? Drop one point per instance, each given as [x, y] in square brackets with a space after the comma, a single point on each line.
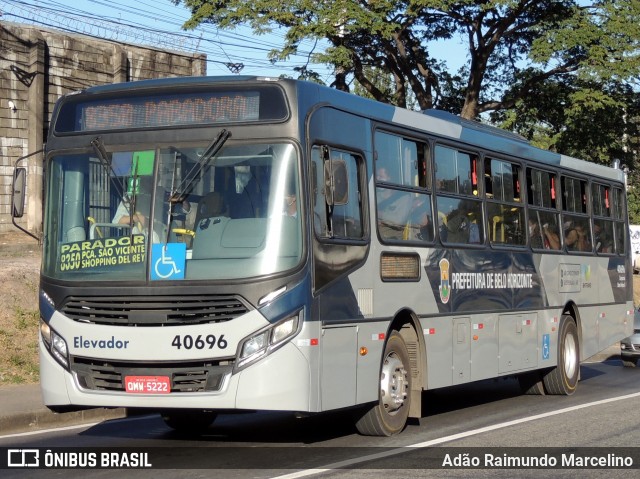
[177, 212]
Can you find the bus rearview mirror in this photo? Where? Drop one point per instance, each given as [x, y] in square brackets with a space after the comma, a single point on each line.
[337, 182]
[18, 192]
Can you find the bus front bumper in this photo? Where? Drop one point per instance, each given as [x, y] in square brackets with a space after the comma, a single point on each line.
[278, 382]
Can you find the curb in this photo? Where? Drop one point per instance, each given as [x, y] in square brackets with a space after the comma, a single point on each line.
[44, 418]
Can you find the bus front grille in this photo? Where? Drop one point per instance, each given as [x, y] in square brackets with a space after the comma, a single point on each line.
[154, 310]
[185, 377]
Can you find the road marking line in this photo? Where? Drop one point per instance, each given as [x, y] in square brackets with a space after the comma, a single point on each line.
[71, 428]
[434, 442]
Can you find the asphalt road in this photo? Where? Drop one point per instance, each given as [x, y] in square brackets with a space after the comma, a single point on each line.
[490, 417]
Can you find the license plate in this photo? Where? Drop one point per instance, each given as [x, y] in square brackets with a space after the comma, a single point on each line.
[147, 384]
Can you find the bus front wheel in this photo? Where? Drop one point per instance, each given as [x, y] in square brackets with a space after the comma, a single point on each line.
[389, 415]
[563, 379]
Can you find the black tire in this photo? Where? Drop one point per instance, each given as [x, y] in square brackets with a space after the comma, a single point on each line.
[188, 421]
[531, 383]
[630, 363]
[563, 379]
[389, 415]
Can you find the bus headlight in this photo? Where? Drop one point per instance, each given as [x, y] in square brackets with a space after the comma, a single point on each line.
[59, 349]
[56, 345]
[45, 331]
[283, 330]
[266, 341]
[256, 345]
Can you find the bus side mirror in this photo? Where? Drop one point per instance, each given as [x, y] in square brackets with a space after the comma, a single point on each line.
[337, 182]
[18, 192]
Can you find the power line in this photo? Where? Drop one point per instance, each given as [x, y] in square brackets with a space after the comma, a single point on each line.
[232, 47]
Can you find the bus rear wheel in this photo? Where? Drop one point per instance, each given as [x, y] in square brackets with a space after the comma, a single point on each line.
[563, 379]
[188, 421]
[389, 415]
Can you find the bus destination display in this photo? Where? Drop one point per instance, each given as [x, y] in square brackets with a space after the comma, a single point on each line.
[179, 110]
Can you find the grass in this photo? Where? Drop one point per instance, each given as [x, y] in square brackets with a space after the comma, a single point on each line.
[19, 348]
[26, 319]
[19, 319]
[19, 352]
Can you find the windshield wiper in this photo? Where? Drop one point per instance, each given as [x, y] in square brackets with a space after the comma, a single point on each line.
[212, 150]
[133, 198]
[178, 194]
[170, 206]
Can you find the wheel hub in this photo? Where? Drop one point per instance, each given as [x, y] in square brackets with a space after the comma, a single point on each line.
[570, 356]
[394, 383]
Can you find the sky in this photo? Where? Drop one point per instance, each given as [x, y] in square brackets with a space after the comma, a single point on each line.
[159, 23]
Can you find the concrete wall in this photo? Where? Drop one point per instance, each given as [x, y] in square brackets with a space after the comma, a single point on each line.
[37, 66]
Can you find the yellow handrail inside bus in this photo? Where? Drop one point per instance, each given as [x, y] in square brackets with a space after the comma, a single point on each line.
[496, 220]
[92, 220]
[184, 231]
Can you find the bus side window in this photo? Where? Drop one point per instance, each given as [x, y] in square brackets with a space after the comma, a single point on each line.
[456, 171]
[337, 195]
[574, 193]
[619, 215]
[403, 204]
[601, 200]
[459, 221]
[505, 211]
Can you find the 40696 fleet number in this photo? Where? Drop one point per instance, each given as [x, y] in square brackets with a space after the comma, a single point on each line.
[209, 341]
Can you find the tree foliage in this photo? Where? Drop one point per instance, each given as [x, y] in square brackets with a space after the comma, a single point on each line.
[560, 72]
[585, 119]
[512, 45]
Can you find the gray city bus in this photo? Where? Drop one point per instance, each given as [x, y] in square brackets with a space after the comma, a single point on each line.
[239, 243]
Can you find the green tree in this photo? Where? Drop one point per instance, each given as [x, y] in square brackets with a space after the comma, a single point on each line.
[594, 121]
[557, 71]
[512, 45]
[589, 120]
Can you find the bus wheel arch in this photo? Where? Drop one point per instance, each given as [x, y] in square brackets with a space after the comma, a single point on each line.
[398, 373]
[407, 323]
[571, 309]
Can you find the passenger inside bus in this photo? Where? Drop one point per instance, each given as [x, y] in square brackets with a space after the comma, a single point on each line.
[552, 240]
[420, 226]
[542, 238]
[457, 227]
[575, 237]
[290, 203]
[461, 225]
[135, 205]
[601, 239]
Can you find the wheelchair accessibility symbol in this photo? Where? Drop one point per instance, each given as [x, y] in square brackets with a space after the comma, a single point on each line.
[545, 346]
[168, 261]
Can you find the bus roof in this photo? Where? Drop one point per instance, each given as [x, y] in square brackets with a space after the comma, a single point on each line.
[443, 124]
[471, 133]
